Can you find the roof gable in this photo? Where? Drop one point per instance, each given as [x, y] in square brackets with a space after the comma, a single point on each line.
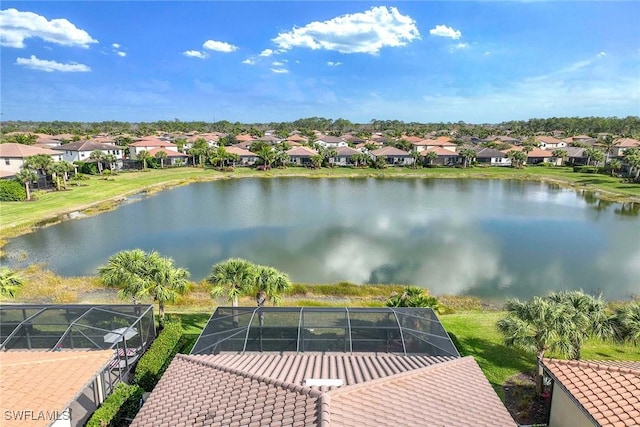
[22, 150]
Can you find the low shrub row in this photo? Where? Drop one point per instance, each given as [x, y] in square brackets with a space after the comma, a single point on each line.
[12, 191]
[121, 405]
[154, 362]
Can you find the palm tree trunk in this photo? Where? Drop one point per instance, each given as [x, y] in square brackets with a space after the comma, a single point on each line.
[27, 187]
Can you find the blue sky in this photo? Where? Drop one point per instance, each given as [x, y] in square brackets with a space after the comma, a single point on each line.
[476, 61]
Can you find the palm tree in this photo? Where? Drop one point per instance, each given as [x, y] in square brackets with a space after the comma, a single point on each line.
[518, 158]
[144, 156]
[614, 165]
[626, 323]
[316, 161]
[10, 281]
[39, 162]
[270, 283]
[139, 274]
[608, 143]
[161, 155]
[110, 159]
[98, 156]
[267, 155]
[57, 171]
[588, 315]
[26, 176]
[559, 154]
[413, 296]
[232, 278]
[632, 158]
[430, 156]
[467, 156]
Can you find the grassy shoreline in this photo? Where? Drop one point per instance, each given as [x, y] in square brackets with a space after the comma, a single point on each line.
[99, 194]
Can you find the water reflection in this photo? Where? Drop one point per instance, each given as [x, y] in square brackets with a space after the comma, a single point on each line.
[488, 238]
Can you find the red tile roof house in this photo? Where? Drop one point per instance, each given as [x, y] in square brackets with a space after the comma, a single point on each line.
[12, 157]
[331, 141]
[301, 156]
[598, 393]
[214, 387]
[550, 143]
[247, 158]
[440, 142]
[344, 156]
[489, 156]
[149, 144]
[36, 388]
[445, 157]
[623, 144]
[393, 156]
[174, 158]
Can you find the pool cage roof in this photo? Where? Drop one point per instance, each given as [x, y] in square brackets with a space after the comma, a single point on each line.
[75, 326]
[325, 329]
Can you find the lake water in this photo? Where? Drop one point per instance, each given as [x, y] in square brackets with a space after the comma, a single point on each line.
[493, 239]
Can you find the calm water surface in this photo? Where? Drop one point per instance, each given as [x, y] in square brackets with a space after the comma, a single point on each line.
[493, 239]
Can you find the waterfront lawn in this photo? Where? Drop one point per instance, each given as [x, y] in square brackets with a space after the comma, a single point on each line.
[96, 193]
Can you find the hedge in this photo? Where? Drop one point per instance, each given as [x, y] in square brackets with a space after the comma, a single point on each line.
[12, 191]
[123, 403]
[154, 362]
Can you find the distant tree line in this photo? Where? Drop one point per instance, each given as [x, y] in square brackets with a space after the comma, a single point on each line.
[627, 127]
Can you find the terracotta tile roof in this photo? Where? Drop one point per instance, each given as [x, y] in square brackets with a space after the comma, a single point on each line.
[243, 144]
[548, 139]
[389, 151]
[346, 151]
[536, 152]
[297, 138]
[295, 367]
[169, 152]
[244, 137]
[199, 390]
[22, 150]
[627, 142]
[152, 143]
[439, 151]
[608, 391]
[302, 151]
[239, 151]
[194, 391]
[453, 393]
[330, 139]
[46, 381]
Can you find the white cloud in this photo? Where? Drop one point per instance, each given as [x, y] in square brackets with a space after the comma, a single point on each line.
[365, 32]
[460, 46]
[120, 53]
[219, 46]
[601, 54]
[267, 52]
[333, 64]
[16, 26]
[249, 61]
[280, 70]
[50, 66]
[194, 54]
[278, 63]
[115, 45]
[444, 31]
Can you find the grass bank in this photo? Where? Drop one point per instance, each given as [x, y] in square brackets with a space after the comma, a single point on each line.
[97, 194]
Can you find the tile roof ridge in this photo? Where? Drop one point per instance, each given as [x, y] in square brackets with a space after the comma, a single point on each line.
[298, 388]
[394, 377]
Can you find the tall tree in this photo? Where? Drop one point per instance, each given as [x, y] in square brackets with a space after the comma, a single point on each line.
[467, 155]
[162, 156]
[430, 156]
[144, 156]
[26, 176]
[266, 155]
[98, 156]
[271, 283]
[232, 279]
[626, 323]
[139, 274]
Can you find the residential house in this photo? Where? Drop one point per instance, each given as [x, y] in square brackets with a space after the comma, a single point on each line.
[12, 157]
[301, 156]
[269, 139]
[443, 142]
[489, 156]
[45, 388]
[445, 157]
[148, 144]
[355, 367]
[344, 156]
[593, 393]
[247, 158]
[537, 155]
[80, 151]
[244, 137]
[393, 156]
[549, 142]
[623, 144]
[331, 141]
[296, 138]
[576, 156]
[173, 158]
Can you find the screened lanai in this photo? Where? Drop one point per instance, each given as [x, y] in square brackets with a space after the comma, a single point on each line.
[124, 327]
[325, 329]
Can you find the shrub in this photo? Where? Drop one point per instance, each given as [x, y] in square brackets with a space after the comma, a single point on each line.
[87, 168]
[123, 403]
[155, 361]
[11, 191]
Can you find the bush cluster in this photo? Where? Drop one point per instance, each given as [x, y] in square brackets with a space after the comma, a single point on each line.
[11, 191]
[155, 361]
[123, 403]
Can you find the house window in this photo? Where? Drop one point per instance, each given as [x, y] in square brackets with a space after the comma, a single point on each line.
[7, 161]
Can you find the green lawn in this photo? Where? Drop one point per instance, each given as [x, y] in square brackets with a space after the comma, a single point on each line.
[98, 193]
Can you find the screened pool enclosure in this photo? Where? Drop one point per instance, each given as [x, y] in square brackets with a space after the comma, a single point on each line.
[323, 329]
[73, 326]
